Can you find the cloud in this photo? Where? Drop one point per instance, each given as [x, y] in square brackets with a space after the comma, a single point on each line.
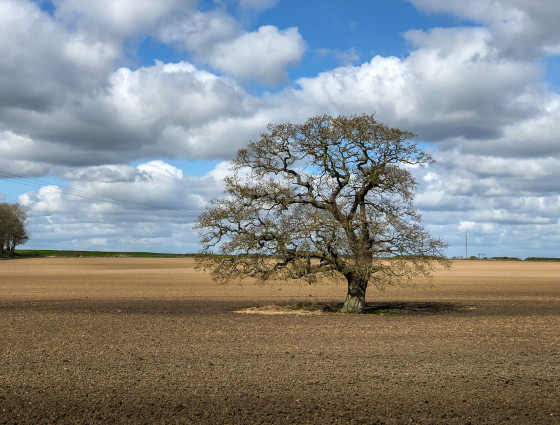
[102, 173]
[520, 29]
[199, 31]
[153, 188]
[257, 4]
[346, 57]
[531, 136]
[117, 19]
[454, 89]
[47, 201]
[166, 109]
[263, 54]
[490, 198]
[41, 61]
[451, 85]
[150, 206]
[215, 38]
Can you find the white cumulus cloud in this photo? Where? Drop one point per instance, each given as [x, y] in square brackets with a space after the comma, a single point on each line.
[520, 28]
[263, 54]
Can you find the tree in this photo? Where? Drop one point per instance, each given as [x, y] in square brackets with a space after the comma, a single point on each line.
[332, 197]
[13, 219]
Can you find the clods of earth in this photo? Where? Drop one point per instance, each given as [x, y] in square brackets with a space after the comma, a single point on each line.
[154, 341]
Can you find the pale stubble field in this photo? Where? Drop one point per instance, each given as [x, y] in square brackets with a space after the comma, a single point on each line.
[129, 340]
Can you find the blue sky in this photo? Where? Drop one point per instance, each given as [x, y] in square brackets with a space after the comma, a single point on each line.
[358, 29]
[146, 101]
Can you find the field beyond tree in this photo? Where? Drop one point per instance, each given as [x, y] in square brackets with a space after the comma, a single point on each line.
[152, 340]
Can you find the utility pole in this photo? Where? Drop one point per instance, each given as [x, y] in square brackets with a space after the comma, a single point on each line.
[466, 246]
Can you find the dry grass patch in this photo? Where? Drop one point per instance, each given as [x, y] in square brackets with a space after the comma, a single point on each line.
[303, 309]
[294, 309]
[379, 308]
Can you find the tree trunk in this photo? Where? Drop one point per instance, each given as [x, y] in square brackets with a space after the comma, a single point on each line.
[356, 297]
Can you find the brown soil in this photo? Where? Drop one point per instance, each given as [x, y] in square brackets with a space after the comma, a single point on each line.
[148, 341]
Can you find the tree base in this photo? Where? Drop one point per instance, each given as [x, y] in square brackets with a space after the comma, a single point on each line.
[353, 305]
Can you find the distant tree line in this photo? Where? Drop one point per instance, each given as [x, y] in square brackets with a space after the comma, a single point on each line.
[13, 232]
[542, 259]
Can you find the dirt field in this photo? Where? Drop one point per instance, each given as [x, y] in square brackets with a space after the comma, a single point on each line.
[148, 341]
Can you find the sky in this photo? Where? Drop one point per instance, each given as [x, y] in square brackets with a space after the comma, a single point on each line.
[118, 117]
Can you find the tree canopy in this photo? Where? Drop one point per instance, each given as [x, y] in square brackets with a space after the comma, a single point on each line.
[13, 219]
[332, 197]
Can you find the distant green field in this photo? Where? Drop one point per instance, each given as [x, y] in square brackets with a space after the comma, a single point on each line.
[29, 253]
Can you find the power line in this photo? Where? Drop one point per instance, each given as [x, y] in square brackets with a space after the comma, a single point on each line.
[31, 182]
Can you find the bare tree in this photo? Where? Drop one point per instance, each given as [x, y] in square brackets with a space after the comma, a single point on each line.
[328, 198]
[13, 219]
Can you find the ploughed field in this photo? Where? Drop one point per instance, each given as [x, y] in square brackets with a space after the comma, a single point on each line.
[148, 340]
